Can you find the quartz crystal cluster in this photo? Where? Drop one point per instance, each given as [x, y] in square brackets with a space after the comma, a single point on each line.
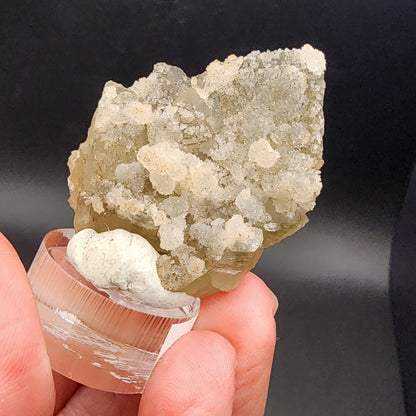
[209, 169]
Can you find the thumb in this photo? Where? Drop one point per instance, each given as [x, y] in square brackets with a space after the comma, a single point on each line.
[26, 384]
[194, 377]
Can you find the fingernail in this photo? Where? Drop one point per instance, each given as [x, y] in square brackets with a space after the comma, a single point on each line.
[276, 303]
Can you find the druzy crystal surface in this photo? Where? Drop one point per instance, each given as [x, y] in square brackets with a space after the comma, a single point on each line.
[209, 169]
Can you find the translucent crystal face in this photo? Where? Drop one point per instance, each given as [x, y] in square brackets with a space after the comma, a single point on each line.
[209, 169]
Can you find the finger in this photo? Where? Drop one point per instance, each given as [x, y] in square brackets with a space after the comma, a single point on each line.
[195, 377]
[64, 388]
[26, 384]
[91, 402]
[245, 317]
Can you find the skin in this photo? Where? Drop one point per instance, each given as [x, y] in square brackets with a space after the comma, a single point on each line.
[220, 368]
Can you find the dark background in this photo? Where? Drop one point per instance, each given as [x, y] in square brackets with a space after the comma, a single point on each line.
[337, 351]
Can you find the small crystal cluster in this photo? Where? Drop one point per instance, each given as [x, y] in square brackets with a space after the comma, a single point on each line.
[209, 169]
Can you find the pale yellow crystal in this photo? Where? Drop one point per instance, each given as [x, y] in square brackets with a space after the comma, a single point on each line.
[209, 169]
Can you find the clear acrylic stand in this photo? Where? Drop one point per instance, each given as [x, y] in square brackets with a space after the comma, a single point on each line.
[102, 339]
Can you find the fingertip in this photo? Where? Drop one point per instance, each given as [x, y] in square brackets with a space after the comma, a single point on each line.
[8, 254]
[26, 385]
[251, 291]
[245, 316]
[194, 377]
[252, 285]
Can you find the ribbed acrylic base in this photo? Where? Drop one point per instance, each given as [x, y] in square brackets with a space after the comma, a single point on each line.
[101, 339]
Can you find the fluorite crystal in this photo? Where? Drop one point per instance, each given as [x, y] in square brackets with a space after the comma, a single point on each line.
[209, 169]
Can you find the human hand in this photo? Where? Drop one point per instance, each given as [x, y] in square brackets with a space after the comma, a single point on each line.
[222, 367]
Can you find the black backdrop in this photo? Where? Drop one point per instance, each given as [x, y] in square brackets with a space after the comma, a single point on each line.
[54, 59]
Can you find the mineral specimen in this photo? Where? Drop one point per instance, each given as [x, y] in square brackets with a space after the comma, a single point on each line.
[209, 169]
[110, 260]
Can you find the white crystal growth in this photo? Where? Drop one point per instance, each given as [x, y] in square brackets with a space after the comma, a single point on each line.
[209, 169]
[123, 260]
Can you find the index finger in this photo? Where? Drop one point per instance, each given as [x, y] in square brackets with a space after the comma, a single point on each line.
[245, 316]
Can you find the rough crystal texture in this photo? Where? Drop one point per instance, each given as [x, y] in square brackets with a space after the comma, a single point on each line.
[209, 169]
